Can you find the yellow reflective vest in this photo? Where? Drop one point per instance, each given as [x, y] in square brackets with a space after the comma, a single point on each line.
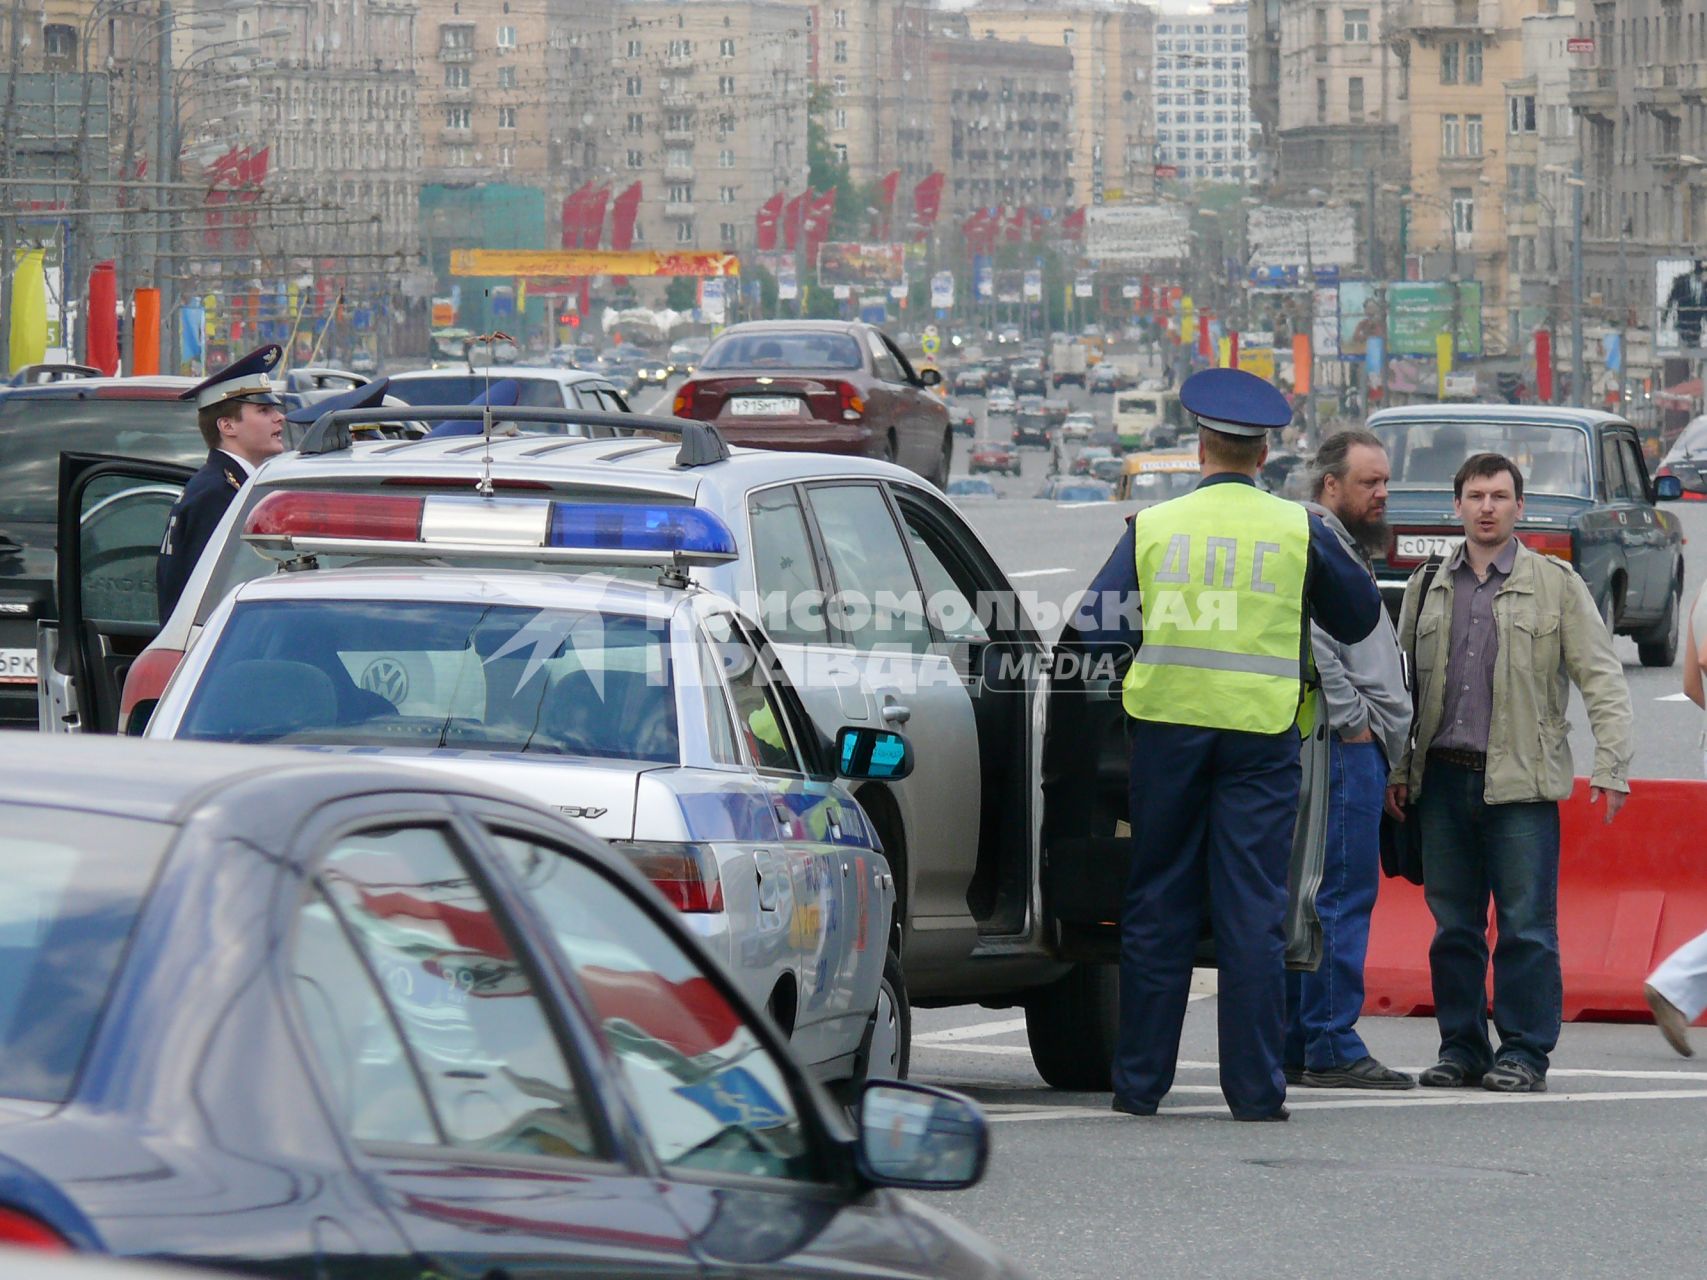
[1221, 584]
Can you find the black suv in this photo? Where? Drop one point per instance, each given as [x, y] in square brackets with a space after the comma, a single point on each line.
[135, 417]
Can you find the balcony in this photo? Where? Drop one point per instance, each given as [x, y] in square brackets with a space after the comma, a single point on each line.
[1449, 15]
[681, 137]
[678, 172]
[680, 61]
[677, 99]
[456, 133]
[1657, 89]
[1594, 91]
[1692, 79]
[682, 209]
[456, 53]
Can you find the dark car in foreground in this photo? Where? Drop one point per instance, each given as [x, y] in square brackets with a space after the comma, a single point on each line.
[1588, 500]
[434, 1030]
[824, 386]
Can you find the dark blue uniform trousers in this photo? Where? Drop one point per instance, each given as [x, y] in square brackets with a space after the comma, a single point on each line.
[1213, 813]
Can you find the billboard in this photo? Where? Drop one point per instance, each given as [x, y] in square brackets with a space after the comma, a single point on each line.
[1680, 302]
[530, 264]
[1300, 237]
[1418, 312]
[942, 290]
[1360, 318]
[1137, 233]
[1325, 324]
[864, 266]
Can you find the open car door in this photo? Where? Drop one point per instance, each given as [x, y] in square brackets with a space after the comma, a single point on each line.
[112, 517]
[1087, 842]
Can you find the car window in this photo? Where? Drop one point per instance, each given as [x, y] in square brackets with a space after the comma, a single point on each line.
[35, 430]
[481, 1042]
[403, 673]
[720, 729]
[791, 602]
[1634, 468]
[760, 720]
[900, 358]
[881, 359]
[876, 601]
[1427, 455]
[949, 593]
[121, 526]
[810, 349]
[466, 388]
[71, 888]
[1618, 488]
[711, 1097]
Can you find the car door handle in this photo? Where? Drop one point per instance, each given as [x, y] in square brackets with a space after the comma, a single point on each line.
[895, 713]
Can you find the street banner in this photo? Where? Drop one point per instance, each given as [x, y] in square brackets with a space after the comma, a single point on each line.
[1442, 361]
[145, 340]
[1033, 286]
[1325, 324]
[1375, 359]
[553, 263]
[864, 266]
[192, 336]
[1130, 289]
[1279, 237]
[1360, 318]
[983, 277]
[1302, 365]
[1418, 312]
[1256, 360]
[1130, 234]
[28, 339]
[787, 285]
[1544, 366]
[1084, 284]
[942, 290]
[712, 301]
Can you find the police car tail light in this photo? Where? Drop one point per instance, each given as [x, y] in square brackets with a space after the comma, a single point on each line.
[19, 1230]
[686, 874]
[1549, 542]
[616, 527]
[280, 518]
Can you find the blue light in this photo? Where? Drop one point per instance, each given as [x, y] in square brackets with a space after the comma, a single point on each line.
[610, 526]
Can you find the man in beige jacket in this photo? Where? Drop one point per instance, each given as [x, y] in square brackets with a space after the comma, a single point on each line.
[1494, 643]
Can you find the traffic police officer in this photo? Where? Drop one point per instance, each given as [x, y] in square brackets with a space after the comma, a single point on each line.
[240, 416]
[1227, 578]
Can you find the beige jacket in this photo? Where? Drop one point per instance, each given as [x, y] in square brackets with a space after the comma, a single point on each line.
[1549, 632]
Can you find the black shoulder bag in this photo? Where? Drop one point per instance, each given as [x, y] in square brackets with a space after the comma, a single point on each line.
[1401, 842]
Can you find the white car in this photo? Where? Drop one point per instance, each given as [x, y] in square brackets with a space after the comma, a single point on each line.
[651, 712]
[1078, 426]
[537, 386]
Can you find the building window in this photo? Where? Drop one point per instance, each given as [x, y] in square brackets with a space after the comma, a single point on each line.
[839, 19]
[1473, 135]
[459, 117]
[684, 232]
[456, 76]
[636, 123]
[1472, 62]
[726, 195]
[506, 77]
[839, 118]
[841, 149]
[839, 86]
[1521, 113]
[1321, 102]
[726, 159]
[1357, 26]
[725, 126]
[726, 86]
[726, 47]
[1463, 211]
[1449, 62]
[634, 87]
[506, 37]
[636, 159]
[59, 42]
[1354, 97]
[506, 155]
[634, 48]
[840, 53]
[456, 38]
[1449, 137]
[726, 232]
[506, 117]
[678, 121]
[1321, 40]
[680, 193]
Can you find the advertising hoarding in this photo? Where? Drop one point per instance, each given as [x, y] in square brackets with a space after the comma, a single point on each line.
[1418, 312]
[1680, 304]
[864, 266]
[1137, 233]
[1301, 237]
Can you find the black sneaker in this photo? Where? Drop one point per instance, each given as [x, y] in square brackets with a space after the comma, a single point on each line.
[1365, 1073]
[1512, 1075]
[1277, 1116]
[1133, 1108]
[1447, 1074]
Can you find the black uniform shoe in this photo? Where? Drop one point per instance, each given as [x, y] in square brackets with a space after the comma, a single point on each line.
[1279, 1116]
[1294, 1075]
[1510, 1075]
[1448, 1074]
[1133, 1108]
[1365, 1073]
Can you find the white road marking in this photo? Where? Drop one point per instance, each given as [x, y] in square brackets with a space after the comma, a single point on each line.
[1354, 1099]
[1038, 573]
[1078, 506]
[1673, 697]
[976, 1031]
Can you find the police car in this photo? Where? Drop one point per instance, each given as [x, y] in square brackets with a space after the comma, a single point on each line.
[649, 711]
[885, 610]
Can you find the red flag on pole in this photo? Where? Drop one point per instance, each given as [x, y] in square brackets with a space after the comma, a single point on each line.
[764, 224]
[593, 223]
[623, 211]
[574, 211]
[818, 223]
[891, 181]
[1544, 366]
[101, 334]
[791, 218]
[1016, 226]
[1073, 225]
[927, 201]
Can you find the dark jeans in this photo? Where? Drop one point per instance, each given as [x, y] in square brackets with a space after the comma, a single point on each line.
[1322, 1007]
[1469, 849]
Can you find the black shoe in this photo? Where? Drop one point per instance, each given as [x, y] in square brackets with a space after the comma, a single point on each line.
[1512, 1075]
[1273, 1117]
[1132, 1108]
[1294, 1075]
[1449, 1074]
[1365, 1073]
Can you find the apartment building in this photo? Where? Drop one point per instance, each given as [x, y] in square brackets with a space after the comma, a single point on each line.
[1541, 147]
[1459, 56]
[1263, 24]
[1339, 126]
[1202, 105]
[709, 116]
[488, 101]
[1112, 133]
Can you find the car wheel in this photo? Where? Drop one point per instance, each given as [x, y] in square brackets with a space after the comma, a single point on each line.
[1657, 646]
[1608, 610]
[1072, 1024]
[887, 1050]
[889, 451]
[945, 456]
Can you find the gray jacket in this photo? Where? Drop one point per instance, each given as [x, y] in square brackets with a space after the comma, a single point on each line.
[1363, 684]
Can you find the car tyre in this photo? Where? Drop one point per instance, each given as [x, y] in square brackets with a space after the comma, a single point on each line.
[1072, 1025]
[889, 450]
[1608, 609]
[945, 457]
[886, 1051]
[1657, 645]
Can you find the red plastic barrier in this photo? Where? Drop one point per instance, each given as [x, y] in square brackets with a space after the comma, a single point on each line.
[1629, 895]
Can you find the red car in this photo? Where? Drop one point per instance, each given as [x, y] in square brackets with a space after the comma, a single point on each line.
[994, 455]
[823, 386]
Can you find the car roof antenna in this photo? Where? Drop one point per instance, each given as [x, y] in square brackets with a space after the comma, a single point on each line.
[484, 488]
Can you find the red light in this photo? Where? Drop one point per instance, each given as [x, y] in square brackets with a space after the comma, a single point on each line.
[146, 679]
[337, 515]
[853, 407]
[21, 1231]
[683, 406]
[684, 874]
[1548, 542]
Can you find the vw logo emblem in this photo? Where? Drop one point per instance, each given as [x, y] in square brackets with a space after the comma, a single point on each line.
[387, 678]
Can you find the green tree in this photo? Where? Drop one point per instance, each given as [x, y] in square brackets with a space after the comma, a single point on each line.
[681, 293]
[826, 170]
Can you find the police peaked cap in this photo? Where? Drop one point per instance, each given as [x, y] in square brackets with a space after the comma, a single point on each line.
[370, 395]
[243, 379]
[1235, 402]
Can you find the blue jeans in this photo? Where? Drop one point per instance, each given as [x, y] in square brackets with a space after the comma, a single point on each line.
[1322, 1007]
[1471, 849]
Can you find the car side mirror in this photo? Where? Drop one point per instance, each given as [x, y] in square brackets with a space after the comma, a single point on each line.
[930, 377]
[1667, 488]
[919, 1138]
[876, 754]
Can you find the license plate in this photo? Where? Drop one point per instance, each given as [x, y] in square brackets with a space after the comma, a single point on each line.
[765, 406]
[1424, 546]
[17, 666]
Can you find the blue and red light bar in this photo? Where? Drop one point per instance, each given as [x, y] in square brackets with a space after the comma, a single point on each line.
[308, 523]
